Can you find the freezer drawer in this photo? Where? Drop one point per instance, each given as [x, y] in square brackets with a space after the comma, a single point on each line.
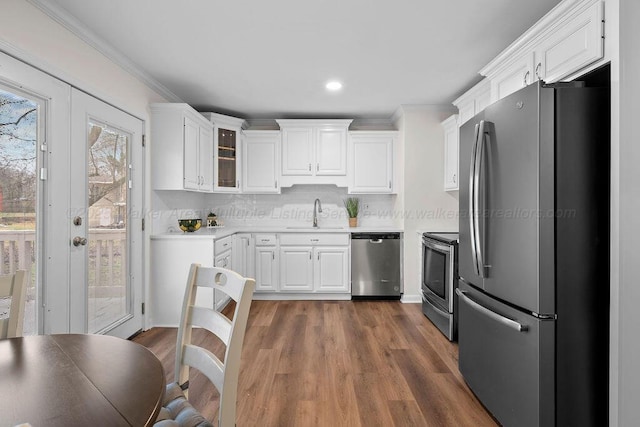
[510, 370]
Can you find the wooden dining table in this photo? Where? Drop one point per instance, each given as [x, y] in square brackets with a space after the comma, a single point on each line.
[78, 380]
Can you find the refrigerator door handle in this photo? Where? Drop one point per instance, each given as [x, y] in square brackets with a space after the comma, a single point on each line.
[479, 196]
[472, 214]
[492, 314]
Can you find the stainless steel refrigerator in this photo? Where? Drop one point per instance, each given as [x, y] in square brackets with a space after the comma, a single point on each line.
[533, 295]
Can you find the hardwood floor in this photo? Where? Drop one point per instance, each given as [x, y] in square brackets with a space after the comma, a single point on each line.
[336, 363]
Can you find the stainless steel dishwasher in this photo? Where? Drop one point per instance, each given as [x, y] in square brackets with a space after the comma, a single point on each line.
[375, 265]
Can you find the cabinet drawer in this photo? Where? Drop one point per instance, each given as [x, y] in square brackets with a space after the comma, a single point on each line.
[314, 239]
[265, 240]
[223, 244]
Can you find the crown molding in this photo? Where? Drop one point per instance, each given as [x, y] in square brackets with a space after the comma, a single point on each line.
[71, 23]
[479, 88]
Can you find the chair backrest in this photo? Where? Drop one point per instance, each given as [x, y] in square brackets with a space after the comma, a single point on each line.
[231, 332]
[14, 286]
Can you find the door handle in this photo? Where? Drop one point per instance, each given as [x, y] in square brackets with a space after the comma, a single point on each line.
[479, 186]
[78, 241]
[492, 314]
[472, 191]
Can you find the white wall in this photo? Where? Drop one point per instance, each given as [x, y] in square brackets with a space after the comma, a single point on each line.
[31, 36]
[625, 209]
[425, 205]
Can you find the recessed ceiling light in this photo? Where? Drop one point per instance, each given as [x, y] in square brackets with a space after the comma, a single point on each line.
[334, 85]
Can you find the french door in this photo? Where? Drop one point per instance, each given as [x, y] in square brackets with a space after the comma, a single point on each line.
[71, 205]
[105, 218]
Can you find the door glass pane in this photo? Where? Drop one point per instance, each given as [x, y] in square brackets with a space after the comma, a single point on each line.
[108, 285]
[18, 197]
[226, 158]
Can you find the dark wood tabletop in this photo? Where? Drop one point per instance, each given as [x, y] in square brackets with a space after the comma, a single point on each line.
[78, 380]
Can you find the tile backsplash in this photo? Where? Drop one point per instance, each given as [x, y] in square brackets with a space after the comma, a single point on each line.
[293, 207]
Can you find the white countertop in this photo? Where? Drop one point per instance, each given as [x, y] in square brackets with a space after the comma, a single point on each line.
[219, 233]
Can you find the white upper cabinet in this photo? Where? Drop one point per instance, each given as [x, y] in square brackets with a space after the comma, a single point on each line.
[227, 152]
[297, 151]
[191, 154]
[331, 151]
[566, 42]
[574, 44]
[314, 151]
[516, 76]
[371, 161]
[260, 161]
[205, 158]
[181, 155]
[451, 144]
[473, 101]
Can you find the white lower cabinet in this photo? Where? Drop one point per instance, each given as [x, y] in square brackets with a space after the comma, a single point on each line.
[243, 253]
[170, 262]
[296, 269]
[331, 269]
[222, 260]
[267, 275]
[314, 263]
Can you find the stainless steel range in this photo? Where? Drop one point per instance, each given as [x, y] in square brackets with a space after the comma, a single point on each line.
[439, 279]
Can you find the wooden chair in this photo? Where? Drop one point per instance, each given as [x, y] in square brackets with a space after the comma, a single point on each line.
[176, 409]
[14, 286]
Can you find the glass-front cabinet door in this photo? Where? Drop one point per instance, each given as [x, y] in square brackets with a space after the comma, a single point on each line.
[227, 176]
[227, 152]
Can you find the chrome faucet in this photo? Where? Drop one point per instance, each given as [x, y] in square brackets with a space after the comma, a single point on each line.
[318, 205]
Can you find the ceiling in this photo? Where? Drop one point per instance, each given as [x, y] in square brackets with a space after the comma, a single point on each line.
[271, 59]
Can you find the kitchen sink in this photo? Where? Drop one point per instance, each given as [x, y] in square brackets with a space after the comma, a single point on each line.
[306, 227]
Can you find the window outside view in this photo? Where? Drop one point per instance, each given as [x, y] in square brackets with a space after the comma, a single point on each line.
[107, 217]
[18, 196]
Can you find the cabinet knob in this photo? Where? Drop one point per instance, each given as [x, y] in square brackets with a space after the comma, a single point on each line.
[309, 167]
[454, 178]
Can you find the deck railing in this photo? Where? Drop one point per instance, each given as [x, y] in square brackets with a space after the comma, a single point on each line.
[107, 280]
[106, 250]
[17, 250]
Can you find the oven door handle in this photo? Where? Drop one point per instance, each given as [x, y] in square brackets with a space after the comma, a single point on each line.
[432, 303]
[492, 314]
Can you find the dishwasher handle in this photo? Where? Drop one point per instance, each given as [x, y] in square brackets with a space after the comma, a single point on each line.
[375, 241]
[374, 237]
